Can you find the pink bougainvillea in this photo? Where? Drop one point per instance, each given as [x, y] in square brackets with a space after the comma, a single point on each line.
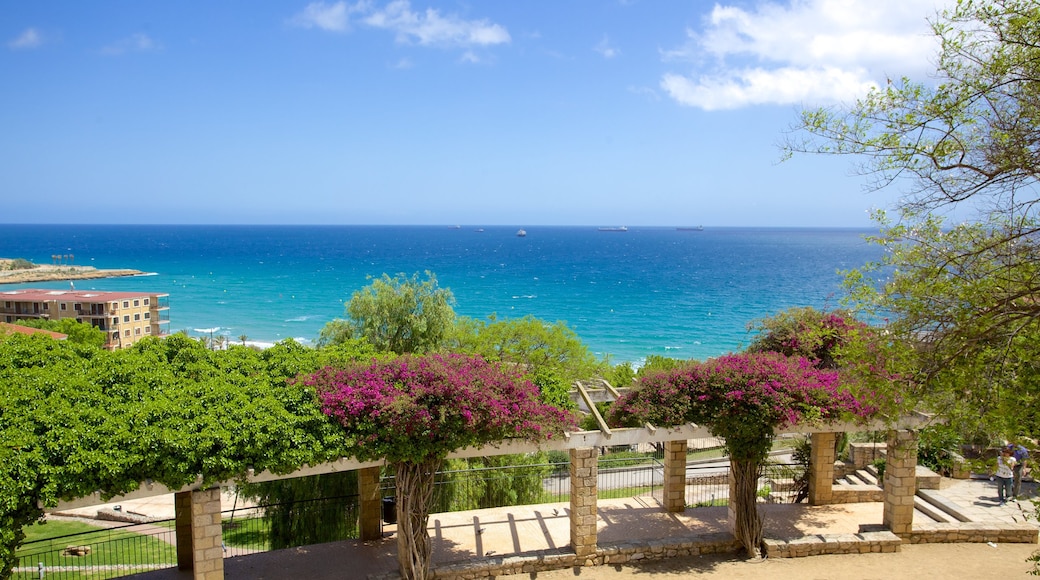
[740, 396]
[415, 407]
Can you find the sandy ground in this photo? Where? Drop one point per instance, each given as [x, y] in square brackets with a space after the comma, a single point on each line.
[46, 272]
[913, 562]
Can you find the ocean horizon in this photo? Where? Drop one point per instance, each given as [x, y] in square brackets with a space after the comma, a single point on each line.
[628, 293]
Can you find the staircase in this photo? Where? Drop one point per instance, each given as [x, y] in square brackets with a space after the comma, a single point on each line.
[929, 505]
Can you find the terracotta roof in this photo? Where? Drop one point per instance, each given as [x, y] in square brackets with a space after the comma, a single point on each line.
[5, 328]
[87, 296]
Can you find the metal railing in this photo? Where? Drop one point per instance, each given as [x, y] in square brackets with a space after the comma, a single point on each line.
[103, 553]
[708, 485]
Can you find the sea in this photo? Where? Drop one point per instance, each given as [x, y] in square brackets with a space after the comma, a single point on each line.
[628, 293]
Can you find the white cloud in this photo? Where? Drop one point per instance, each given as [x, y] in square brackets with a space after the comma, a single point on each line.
[605, 49]
[804, 51]
[28, 39]
[331, 17]
[133, 43]
[431, 28]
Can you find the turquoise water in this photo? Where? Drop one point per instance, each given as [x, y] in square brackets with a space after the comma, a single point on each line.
[685, 294]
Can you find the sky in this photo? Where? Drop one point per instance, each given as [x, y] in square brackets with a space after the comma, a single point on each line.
[583, 112]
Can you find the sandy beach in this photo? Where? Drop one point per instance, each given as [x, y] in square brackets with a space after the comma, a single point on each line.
[51, 272]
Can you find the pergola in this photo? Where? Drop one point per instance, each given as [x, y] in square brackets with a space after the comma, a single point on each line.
[198, 507]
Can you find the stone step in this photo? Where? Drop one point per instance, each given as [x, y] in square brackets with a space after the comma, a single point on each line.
[922, 507]
[867, 476]
[944, 505]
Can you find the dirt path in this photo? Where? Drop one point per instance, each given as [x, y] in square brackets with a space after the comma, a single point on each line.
[913, 562]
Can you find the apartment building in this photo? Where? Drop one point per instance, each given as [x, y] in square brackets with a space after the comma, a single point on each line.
[125, 317]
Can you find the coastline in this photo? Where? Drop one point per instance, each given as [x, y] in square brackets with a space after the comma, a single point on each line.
[52, 273]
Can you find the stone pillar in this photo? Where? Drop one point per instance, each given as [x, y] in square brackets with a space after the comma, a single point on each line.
[900, 483]
[584, 471]
[199, 536]
[675, 476]
[821, 469]
[370, 508]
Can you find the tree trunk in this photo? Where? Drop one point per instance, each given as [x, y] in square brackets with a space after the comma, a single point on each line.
[743, 498]
[414, 497]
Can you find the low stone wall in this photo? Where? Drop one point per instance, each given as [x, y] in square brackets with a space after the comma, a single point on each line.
[826, 544]
[973, 533]
[856, 494]
[863, 454]
[564, 558]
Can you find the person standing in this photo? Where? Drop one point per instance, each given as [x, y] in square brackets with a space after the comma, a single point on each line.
[1021, 454]
[1005, 476]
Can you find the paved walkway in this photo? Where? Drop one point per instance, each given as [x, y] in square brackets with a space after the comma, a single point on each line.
[474, 535]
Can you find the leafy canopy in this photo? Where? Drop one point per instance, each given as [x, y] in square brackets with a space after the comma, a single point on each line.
[397, 314]
[965, 144]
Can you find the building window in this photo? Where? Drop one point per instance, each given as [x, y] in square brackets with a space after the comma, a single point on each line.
[46, 306]
[147, 315]
[148, 330]
[146, 302]
[126, 332]
[137, 316]
[137, 331]
[115, 335]
[7, 304]
[77, 307]
[137, 303]
[115, 321]
[64, 306]
[126, 304]
[126, 318]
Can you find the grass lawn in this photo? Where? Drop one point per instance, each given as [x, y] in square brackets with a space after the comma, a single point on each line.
[44, 543]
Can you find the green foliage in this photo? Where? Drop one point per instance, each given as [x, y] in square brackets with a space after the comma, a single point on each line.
[75, 420]
[306, 510]
[937, 445]
[656, 363]
[19, 264]
[965, 141]
[536, 345]
[78, 332]
[621, 375]
[486, 482]
[397, 314]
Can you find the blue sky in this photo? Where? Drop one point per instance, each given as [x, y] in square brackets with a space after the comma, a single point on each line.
[614, 112]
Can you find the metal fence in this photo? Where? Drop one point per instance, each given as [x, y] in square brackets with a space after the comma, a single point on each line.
[133, 548]
[105, 553]
[708, 485]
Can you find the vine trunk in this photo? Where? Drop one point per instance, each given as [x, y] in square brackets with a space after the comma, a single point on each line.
[747, 524]
[414, 497]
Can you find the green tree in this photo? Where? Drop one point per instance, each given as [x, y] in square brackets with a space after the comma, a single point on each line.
[543, 349]
[397, 314]
[967, 143]
[77, 332]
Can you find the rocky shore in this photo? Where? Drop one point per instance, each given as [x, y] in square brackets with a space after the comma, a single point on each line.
[50, 273]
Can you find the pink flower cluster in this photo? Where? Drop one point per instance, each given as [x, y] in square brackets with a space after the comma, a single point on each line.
[415, 407]
[767, 388]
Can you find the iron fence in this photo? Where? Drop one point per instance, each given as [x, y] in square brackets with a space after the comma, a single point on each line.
[102, 553]
[708, 485]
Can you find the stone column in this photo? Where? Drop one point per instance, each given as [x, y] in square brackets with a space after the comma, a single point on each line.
[821, 469]
[584, 471]
[900, 483]
[370, 508]
[199, 536]
[675, 476]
